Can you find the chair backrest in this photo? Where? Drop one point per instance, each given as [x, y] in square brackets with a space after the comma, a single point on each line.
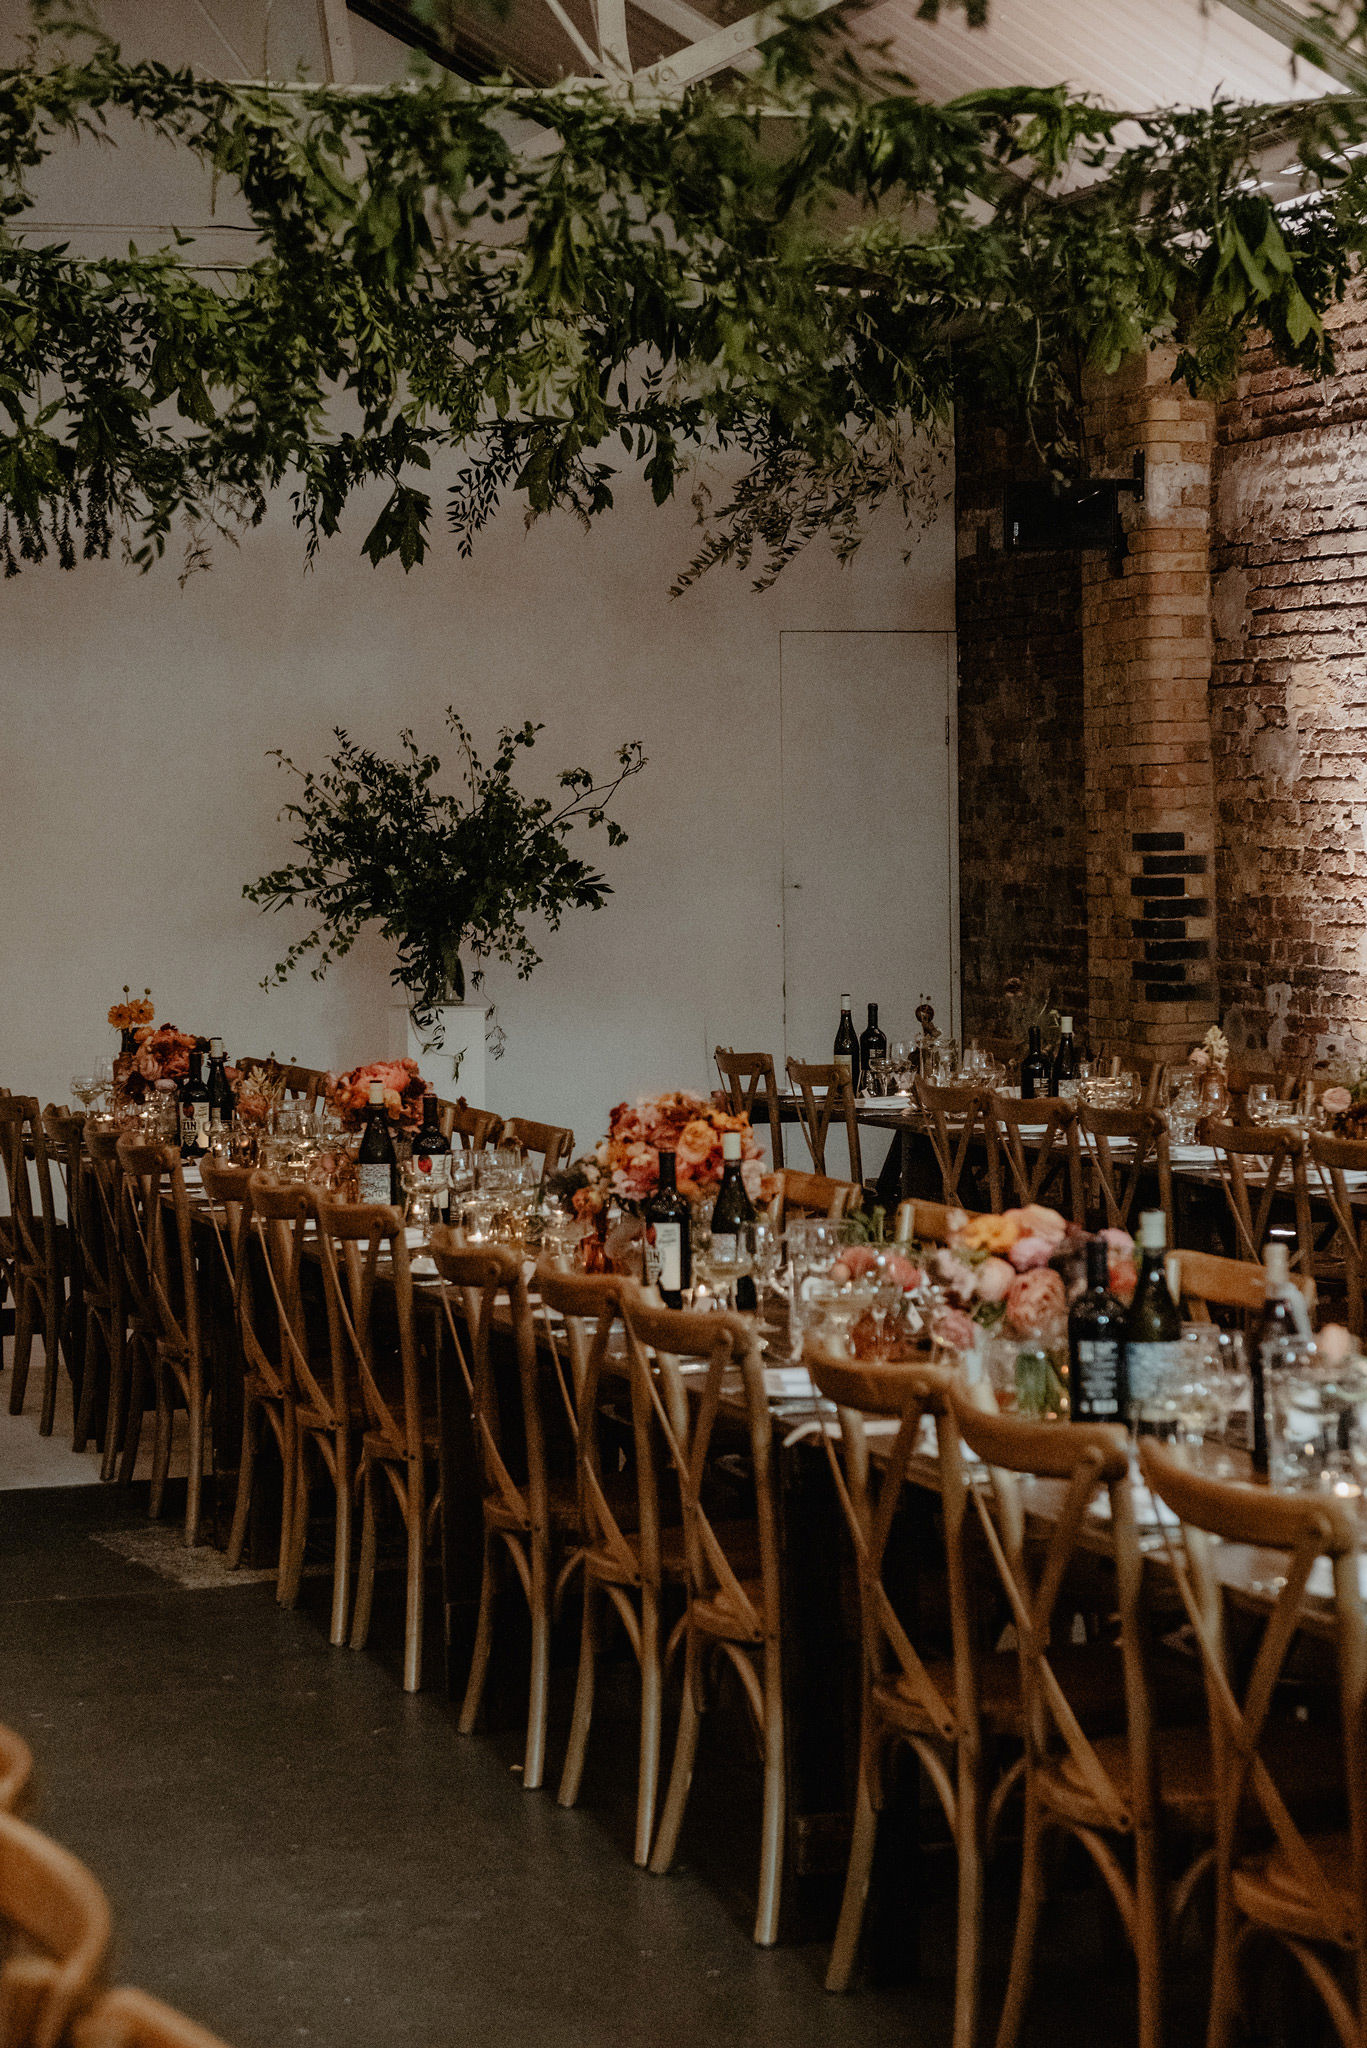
[1033, 1154]
[1331, 1160]
[281, 1346]
[64, 1133]
[1199, 1281]
[131, 2019]
[551, 1142]
[921, 1222]
[101, 1250]
[870, 1491]
[586, 1311]
[62, 1916]
[684, 1413]
[1143, 1134]
[16, 1771]
[158, 1243]
[368, 1287]
[21, 1134]
[1281, 1172]
[966, 1108]
[811, 1194]
[1151, 1070]
[511, 1461]
[824, 1094]
[1008, 1052]
[303, 1084]
[475, 1128]
[747, 1078]
[1088, 1459]
[1250, 1801]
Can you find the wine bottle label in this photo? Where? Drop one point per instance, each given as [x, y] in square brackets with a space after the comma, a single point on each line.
[1145, 1365]
[437, 1167]
[1097, 1393]
[194, 1126]
[667, 1256]
[373, 1183]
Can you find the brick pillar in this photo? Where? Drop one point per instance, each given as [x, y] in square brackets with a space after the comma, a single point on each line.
[1146, 650]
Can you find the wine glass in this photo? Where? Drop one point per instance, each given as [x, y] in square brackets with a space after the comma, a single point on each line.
[86, 1090]
[104, 1076]
[1261, 1103]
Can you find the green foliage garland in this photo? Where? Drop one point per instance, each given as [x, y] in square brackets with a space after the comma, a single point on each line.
[801, 270]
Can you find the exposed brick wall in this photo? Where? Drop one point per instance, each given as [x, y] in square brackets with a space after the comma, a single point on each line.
[1289, 701]
[1022, 846]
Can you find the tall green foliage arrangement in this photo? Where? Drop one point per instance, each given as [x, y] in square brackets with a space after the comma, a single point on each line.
[800, 270]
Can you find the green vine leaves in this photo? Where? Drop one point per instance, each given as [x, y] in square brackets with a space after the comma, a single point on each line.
[803, 273]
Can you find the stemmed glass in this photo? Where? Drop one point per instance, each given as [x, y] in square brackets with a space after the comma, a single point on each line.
[104, 1077]
[86, 1090]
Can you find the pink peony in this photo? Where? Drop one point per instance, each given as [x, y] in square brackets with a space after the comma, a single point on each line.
[1336, 1101]
[868, 1258]
[1035, 1301]
[1198, 1057]
[1335, 1344]
[1028, 1252]
[1041, 1222]
[995, 1279]
[951, 1327]
[955, 1275]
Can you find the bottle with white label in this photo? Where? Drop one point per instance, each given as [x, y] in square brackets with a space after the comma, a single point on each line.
[1284, 1320]
[733, 1222]
[668, 1245]
[376, 1163]
[1153, 1327]
[432, 1156]
[194, 1109]
[1095, 1322]
[846, 1053]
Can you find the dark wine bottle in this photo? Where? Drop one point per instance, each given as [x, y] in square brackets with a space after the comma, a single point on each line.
[194, 1108]
[432, 1156]
[1035, 1075]
[1284, 1321]
[220, 1088]
[846, 1052]
[1095, 1325]
[377, 1166]
[872, 1046]
[1065, 1057]
[668, 1247]
[1153, 1326]
[733, 1217]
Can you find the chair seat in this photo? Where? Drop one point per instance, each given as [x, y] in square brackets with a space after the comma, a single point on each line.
[375, 1443]
[1270, 1889]
[1091, 1677]
[1305, 1760]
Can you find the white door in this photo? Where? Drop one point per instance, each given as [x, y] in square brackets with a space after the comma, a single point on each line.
[869, 857]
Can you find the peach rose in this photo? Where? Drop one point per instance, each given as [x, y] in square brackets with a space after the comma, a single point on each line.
[1336, 1100]
[994, 1278]
[1041, 1222]
[1035, 1301]
[991, 1233]
[955, 1275]
[867, 1258]
[951, 1327]
[1028, 1252]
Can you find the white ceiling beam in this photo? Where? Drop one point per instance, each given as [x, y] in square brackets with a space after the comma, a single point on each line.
[610, 17]
[339, 54]
[692, 23]
[712, 53]
[1291, 29]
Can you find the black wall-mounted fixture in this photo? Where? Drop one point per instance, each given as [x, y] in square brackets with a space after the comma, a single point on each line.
[1070, 516]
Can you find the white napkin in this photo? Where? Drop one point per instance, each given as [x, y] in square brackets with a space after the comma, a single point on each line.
[885, 1102]
[788, 1383]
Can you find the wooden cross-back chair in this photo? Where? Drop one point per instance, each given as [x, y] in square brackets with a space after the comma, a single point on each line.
[64, 1131]
[1151, 1070]
[1344, 1256]
[168, 1334]
[105, 1371]
[552, 1144]
[228, 1189]
[1106, 1790]
[1200, 1281]
[1033, 1153]
[368, 1286]
[518, 1525]
[1306, 1890]
[1283, 1176]
[37, 1274]
[126, 2018]
[936, 1704]
[628, 1540]
[825, 1097]
[732, 1615]
[1145, 1157]
[748, 1078]
[811, 1194]
[16, 1771]
[61, 1919]
[969, 1109]
[293, 1365]
[475, 1128]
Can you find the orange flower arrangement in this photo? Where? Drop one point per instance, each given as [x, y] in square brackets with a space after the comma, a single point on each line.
[349, 1094]
[161, 1055]
[126, 1016]
[628, 1158]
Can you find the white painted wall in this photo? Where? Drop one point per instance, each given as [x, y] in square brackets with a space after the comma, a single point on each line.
[136, 796]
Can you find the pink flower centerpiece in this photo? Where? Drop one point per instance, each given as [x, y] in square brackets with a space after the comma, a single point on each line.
[627, 1159]
[349, 1094]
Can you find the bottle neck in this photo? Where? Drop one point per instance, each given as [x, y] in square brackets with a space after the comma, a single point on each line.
[196, 1066]
[1098, 1266]
[666, 1183]
[873, 1016]
[1034, 1038]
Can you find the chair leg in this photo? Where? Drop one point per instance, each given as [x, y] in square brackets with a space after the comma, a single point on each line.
[681, 1773]
[583, 1696]
[341, 1548]
[246, 1477]
[194, 1485]
[863, 1841]
[161, 1448]
[775, 1804]
[365, 1570]
[85, 1407]
[53, 1318]
[292, 1564]
[132, 1431]
[1148, 1940]
[1224, 1970]
[484, 1638]
[116, 1413]
[1027, 1924]
[23, 1345]
[416, 1517]
[652, 1716]
[968, 1943]
[538, 1691]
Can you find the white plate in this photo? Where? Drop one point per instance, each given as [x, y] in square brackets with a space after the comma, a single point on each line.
[885, 1102]
[788, 1383]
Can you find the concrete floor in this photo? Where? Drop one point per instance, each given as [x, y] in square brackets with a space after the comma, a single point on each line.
[296, 1851]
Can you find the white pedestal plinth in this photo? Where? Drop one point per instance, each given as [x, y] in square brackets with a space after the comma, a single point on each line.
[456, 1066]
